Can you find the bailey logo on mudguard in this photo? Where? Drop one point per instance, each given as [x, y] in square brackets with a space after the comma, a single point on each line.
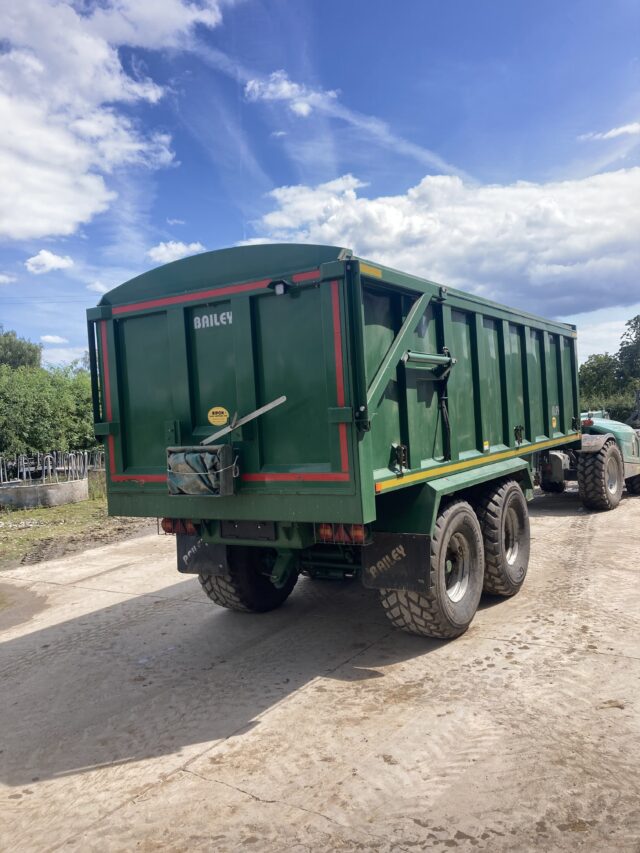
[196, 557]
[397, 561]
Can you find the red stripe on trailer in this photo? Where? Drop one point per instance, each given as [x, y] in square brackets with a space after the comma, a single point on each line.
[140, 478]
[105, 369]
[306, 276]
[190, 297]
[207, 294]
[337, 348]
[337, 342]
[276, 477]
[344, 453]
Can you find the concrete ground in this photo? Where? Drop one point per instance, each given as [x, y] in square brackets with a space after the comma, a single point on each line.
[135, 715]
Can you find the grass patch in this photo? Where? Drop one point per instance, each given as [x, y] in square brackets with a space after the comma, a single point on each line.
[28, 536]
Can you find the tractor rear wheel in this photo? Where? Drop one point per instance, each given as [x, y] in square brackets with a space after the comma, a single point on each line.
[504, 520]
[601, 477]
[456, 564]
[247, 587]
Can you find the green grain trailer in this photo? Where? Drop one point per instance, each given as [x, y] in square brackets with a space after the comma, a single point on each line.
[292, 409]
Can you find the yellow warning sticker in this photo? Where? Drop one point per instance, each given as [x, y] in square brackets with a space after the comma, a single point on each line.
[554, 422]
[218, 416]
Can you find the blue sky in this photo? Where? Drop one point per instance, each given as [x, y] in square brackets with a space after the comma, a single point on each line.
[493, 146]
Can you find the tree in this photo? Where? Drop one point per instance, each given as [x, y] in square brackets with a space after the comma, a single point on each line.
[629, 352]
[42, 410]
[599, 377]
[18, 352]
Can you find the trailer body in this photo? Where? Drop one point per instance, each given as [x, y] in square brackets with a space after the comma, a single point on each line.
[399, 393]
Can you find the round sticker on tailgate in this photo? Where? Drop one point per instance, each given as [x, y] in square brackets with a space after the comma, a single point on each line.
[218, 416]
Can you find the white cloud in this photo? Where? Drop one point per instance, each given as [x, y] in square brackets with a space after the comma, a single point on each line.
[97, 287]
[556, 248]
[599, 337]
[46, 261]
[164, 253]
[300, 99]
[147, 23]
[632, 129]
[176, 222]
[278, 134]
[62, 82]
[53, 339]
[62, 355]
[6, 279]
[303, 100]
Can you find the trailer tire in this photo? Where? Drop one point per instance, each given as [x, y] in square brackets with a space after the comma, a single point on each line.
[601, 477]
[247, 587]
[456, 565]
[504, 520]
[552, 486]
[633, 485]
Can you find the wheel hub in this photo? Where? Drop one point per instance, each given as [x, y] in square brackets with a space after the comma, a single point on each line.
[612, 476]
[457, 567]
[511, 536]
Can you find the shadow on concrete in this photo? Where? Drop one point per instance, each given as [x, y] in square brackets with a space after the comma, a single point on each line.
[156, 674]
[565, 504]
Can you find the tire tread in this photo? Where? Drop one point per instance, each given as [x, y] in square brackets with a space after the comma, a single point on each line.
[592, 486]
[415, 612]
[242, 589]
[489, 515]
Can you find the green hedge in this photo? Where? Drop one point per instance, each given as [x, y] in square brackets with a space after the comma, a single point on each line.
[619, 406]
[43, 410]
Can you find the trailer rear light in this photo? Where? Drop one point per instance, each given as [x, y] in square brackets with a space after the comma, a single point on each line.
[342, 534]
[587, 422]
[358, 533]
[324, 532]
[179, 525]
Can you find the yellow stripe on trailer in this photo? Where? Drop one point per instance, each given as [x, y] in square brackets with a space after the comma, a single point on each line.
[476, 462]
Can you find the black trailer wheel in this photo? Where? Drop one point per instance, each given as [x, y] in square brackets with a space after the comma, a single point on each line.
[633, 485]
[247, 587]
[601, 477]
[504, 519]
[552, 486]
[456, 564]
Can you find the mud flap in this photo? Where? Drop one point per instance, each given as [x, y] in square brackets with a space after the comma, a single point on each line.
[397, 561]
[196, 557]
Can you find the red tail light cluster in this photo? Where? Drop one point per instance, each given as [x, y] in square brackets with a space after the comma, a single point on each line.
[180, 525]
[341, 534]
[587, 422]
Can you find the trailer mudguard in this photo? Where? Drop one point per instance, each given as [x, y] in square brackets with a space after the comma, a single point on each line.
[415, 509]
[397, 561]
[197, 557]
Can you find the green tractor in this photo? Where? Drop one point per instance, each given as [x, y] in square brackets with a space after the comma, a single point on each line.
[607, 459]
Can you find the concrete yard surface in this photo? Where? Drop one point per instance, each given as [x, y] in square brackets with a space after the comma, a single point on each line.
[136, 715]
